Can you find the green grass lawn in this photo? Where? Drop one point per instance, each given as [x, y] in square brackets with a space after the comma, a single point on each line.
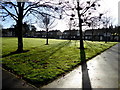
[44, 63]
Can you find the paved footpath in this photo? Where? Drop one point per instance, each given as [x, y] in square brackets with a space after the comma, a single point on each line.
[102, 73]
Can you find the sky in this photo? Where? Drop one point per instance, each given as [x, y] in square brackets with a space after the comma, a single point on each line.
[106, 5]
[109, 6]
[112, 7]
[119, 14]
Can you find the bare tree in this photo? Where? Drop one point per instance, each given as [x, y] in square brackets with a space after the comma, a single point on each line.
[46, 21]
[1, 29]
[70, 26]
[106, 23]
[84, 10]
[75, 8]
[94, 22]
[19, 10]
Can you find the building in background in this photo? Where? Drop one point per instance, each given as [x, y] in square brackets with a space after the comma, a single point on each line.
[57, 34]
[109, 34]
[9, 32]
[71, 34]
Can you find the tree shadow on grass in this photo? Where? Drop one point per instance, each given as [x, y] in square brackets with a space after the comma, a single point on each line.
[47, 54]
[54, 49]
[85, 76]
[15, 52]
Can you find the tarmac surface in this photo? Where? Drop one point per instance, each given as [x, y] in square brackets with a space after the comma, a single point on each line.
[99, 72]
[10, 81]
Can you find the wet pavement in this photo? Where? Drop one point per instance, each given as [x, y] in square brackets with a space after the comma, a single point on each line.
[71, 80]
[103, 69]
[102, 72]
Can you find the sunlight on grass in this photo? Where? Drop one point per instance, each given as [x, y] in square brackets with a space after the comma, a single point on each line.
[45, 62]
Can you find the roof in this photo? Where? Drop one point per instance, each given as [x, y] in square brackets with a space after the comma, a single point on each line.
[55, 31]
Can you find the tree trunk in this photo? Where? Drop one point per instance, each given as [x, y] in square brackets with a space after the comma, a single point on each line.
[106, 36]
[19, 35]
[81, 35]
[19, 28]
[46, 36]
[80, 27]
[70, 29]
[92, 34]
[70, 35]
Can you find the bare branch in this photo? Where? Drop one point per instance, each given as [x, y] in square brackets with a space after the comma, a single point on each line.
[87, 8]
[42, 13]
[13, 6]
[11, 14]
[23, 4]
[29, 6]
